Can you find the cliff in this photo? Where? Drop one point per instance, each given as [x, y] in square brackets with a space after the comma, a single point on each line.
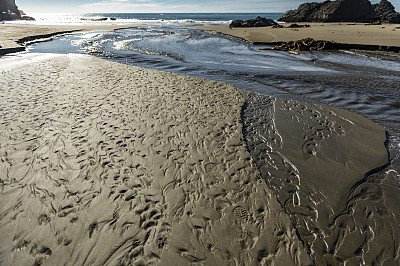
[386, 12]
[10, 11]
[343, 11]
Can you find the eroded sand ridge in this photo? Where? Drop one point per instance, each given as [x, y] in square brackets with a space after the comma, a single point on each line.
[318, 161]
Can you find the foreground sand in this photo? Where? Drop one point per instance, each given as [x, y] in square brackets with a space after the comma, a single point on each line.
[103, 163]
[316, 159]
[349, 33]
[11, 33]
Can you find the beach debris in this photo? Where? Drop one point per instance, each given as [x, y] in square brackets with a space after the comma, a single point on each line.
[307, 44]
[298, 26]
[257, 22]
[291, 26]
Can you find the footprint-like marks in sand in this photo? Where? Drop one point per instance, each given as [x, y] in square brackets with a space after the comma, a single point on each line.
[241, 213]
[318, 162]
[109, 164]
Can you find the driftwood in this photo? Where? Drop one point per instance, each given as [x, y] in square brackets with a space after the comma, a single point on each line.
[310, 44]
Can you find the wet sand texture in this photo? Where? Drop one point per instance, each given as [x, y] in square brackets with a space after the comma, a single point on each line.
[105, 164]
[346, 33]
[316, 159]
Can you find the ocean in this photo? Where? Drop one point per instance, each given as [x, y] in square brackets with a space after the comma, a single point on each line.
[145, 18]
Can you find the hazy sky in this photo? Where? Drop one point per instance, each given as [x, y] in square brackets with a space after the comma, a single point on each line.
[163, 6]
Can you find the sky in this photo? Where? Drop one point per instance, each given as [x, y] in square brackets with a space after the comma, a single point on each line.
[164, 6]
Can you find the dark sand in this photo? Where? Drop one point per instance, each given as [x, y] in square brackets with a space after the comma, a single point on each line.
[107, 164]
[104, 163]
[315, 160]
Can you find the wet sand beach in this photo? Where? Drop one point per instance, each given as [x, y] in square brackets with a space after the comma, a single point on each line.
[103, 163]
[347, 33]
[106, 163]
[318, 164]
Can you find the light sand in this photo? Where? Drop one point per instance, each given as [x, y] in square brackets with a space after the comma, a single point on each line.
[348, 33]
[11, 33]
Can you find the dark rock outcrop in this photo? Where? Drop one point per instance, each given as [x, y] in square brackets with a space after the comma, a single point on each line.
[305, 45]
[294, 26]
[386, 12]
[258, 22]
[10, 11]
[333, 11]
[304, 13]
[94, 19]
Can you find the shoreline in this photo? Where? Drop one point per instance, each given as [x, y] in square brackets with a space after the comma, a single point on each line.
[15, 37]
[360, 36]
[346, 36]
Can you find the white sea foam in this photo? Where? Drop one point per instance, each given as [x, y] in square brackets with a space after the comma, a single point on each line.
[85, 19]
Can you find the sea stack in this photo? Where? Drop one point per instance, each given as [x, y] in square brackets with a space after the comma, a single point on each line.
[386, 12]
[10, 11]
[343, 11]
[258, 22]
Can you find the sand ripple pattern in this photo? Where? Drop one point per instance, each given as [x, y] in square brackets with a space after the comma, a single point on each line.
[108, 164]
[320, 162]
